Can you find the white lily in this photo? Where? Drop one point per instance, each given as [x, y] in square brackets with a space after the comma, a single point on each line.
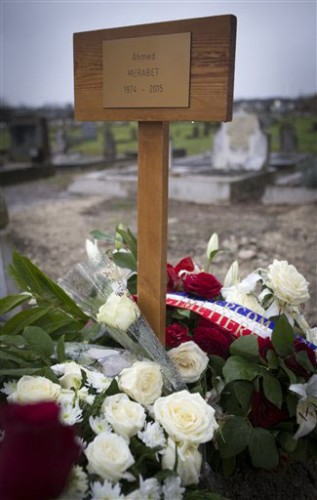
[93, 252]
[306, 415]
[213, 245]
[232, 276]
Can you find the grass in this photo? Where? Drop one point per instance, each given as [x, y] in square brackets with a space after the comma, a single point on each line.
[194, 138]
[305, 130]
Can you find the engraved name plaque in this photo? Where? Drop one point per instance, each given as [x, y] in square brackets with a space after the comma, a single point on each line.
[147, 72]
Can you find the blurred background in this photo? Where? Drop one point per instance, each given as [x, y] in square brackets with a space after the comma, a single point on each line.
[275, 76]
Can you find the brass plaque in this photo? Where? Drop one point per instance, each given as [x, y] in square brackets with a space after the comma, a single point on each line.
[147, 72]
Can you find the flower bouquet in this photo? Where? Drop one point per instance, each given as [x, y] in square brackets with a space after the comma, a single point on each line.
[95, 408]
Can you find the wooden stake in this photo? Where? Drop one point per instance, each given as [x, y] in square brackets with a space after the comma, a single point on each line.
[152, 223]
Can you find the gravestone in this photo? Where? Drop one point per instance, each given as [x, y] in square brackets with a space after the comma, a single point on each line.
[61, 141]
[288, 139]
[109, 144]
[89, 131]
[7, 284]
[29, 139]
[154, 74]
[240, 145]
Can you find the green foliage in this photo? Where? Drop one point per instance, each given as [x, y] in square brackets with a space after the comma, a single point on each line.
[246, 346]
[272, 390]
[239, 368]
[234, 437]
[30, 279]
[262, 449]
[283, 337]
[11, 301]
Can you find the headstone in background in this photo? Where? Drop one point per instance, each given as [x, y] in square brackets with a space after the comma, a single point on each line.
[288, 138]
[240, 144]
[29, 139]
[89, 130]
[7, 285]
[61, 142]
[109, 144]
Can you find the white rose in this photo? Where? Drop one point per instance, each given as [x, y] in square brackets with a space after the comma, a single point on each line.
[119, 311]
[189, 461]
[189, 360]
[109, 456]
[31, 389]
[142, 381]
[287, 283]
[72, 376]
[125, 416]
[186, 417]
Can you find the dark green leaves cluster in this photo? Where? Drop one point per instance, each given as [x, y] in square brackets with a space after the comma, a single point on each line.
[245, 373]
[33, 338]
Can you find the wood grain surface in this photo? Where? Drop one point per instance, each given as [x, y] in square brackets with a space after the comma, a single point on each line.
[211, 71]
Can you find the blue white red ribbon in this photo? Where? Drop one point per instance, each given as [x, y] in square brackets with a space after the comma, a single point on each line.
[233, 318]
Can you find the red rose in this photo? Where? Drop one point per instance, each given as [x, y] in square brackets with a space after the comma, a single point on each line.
[212, 339]
[291, 362]
[204, 285]
[174, 281]
[186, 264]
[264, 413]
[176, 334]
[37, 452]
[265, 345]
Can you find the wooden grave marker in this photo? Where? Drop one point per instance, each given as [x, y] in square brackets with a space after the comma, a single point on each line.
[154, 74]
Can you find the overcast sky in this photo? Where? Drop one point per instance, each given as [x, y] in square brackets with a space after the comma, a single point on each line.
[275, 54]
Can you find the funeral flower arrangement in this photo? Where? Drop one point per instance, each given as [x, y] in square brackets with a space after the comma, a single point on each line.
[94, 407]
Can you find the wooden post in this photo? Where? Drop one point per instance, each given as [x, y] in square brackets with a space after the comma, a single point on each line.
[155, 74]
[152, 223]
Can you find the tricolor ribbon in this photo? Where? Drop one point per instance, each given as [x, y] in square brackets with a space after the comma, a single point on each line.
[233, 318]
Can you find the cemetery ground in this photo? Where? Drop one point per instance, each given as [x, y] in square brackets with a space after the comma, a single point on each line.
[50, 226]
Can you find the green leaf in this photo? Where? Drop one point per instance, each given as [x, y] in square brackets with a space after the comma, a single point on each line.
[129, 239]
[216, 363]
[272, 360]
[7, 356]
[283, 337]
[39, 340]
[18, 372]
[132, 284]
[60, 350]
[234, 436]
[228, 466]
[262, 449]
[272, 390]
[17, 323]
[287, 441]
[246, 346]
[12, 340]
[291, 375]
[125, 260]
[238, 368]
[101, 235]
[304, 361]
[291, 402]
[112, 389]
[11, 301]
[31, 279]
[243, 391]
